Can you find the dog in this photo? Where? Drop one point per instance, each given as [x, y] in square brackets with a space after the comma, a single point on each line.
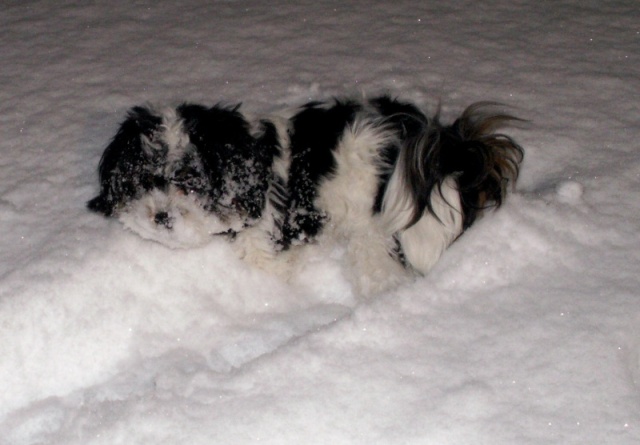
[377, 176]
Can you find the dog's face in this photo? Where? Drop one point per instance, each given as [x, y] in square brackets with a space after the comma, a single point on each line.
[182, 175]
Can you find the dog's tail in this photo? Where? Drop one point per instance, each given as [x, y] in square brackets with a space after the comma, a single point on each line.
[445, 177]
[481, 161]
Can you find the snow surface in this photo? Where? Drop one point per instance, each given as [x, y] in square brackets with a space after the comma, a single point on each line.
[526, 332]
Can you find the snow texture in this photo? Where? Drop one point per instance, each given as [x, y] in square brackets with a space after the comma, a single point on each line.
[526, 332]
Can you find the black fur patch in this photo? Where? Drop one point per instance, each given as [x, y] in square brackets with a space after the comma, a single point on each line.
[259, 174]
[236, 164]
[408, 122]
[220, 135]
[315, 132]
[125, 169]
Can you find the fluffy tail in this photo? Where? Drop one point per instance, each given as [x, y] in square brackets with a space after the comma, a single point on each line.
[482, 162]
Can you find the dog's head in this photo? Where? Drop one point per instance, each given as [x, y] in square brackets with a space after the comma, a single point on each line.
[179, 176]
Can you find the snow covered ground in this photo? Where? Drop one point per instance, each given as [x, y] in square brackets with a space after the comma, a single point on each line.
[526, 332]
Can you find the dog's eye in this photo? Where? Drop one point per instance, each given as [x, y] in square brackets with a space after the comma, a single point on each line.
[179, 177]
[159, 182]
[187, 181]
[190, 185]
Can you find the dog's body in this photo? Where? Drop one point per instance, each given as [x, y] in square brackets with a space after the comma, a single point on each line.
[393, 186]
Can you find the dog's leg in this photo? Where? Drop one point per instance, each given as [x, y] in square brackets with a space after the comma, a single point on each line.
[372, 268]
[255, 247]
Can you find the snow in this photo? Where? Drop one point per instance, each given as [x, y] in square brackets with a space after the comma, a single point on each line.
[526, 332]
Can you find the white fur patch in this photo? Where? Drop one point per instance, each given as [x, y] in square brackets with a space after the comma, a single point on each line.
[424, 242]
[190, 225]
[349, 197]
[173, 134]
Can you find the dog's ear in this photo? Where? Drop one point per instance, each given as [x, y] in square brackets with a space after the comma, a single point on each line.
[101, 204]
[123, 168]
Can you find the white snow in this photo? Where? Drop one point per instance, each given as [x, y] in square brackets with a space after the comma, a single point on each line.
[526, 332]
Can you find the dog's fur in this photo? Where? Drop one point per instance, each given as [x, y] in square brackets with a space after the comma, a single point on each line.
[378, 176]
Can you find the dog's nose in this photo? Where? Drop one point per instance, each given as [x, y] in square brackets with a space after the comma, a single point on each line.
[162, 219]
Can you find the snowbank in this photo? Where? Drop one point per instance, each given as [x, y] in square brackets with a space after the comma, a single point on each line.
[526, 332]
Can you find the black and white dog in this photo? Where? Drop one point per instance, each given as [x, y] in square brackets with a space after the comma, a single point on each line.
[378, 176]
